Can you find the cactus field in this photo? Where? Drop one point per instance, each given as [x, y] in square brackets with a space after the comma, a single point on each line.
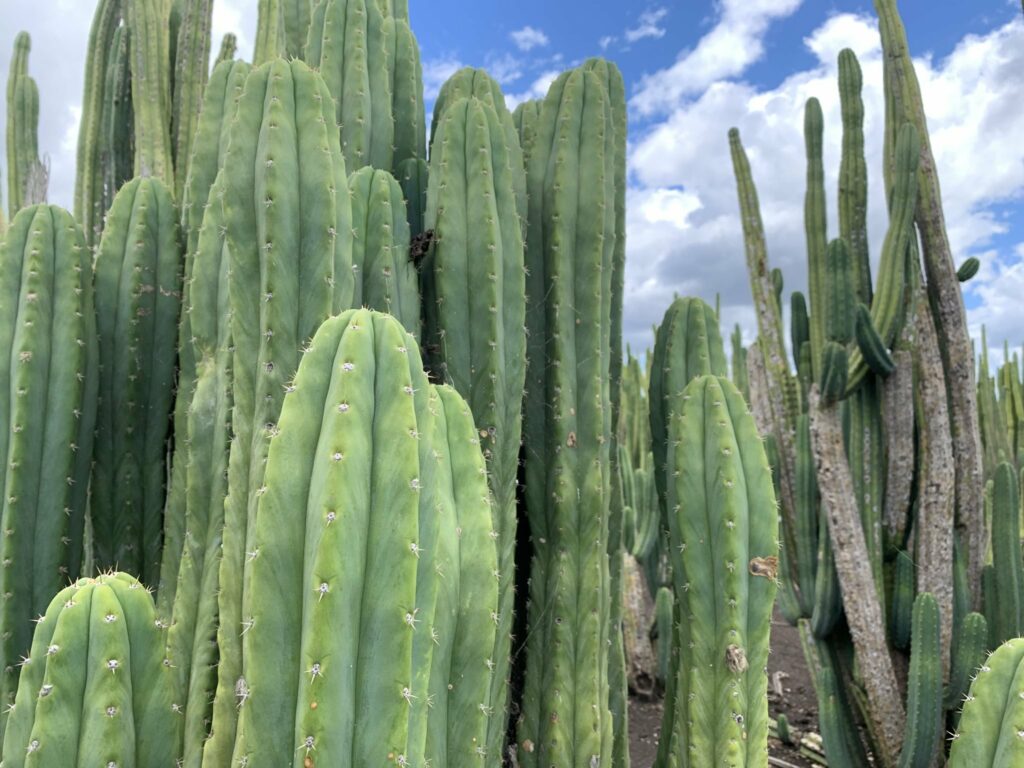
[330, 437]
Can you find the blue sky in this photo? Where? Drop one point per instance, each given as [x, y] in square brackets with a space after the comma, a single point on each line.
[694, 68]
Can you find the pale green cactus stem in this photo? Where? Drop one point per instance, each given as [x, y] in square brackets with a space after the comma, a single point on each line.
[406, 93]
[23, 164]
[191, 71]
[48, 389]
[989, 732]
[151, 89]
[138, 300]
[96, 688]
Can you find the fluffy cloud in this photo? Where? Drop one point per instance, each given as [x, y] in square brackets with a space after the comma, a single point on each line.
[684, 229]
[727, 50]
[648, 25]
[528, 38]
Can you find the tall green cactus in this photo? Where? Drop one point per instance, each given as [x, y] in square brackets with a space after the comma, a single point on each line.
[989, 731]
[48, 387]
[385, 277]
[924, 687]
[412, 174]
[138, 298]
[474, 291]
[219, 100]
[406, 75]
[349, 45]
[151, 88]
[372, 583]
[23, 164]
[288, 233]
[567, 425]
[722, 514]
[228, 48]
[191, 70]
[1005, 608]
[95, 688]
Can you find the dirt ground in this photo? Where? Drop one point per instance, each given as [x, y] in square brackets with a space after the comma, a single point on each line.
[797, 702]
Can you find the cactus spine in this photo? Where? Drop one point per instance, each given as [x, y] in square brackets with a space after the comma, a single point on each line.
[989, 731]
[96, 689]
[23, 164]
[351, 570]
[349, 45]
[385, 277]
[567, 425]
[474, 290]
[138, 297]
[48, 387]
[290, 268]
[722, 515]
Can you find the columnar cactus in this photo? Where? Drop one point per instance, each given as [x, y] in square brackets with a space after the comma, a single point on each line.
[228, 48]
[191, 70]
[567, 425]
[474, 290]
[48, 386]
[372, 584]
[95, 688]
[412, 174]
[271, 39]
[723, 519]
[151, 88]
[288, 228]
[1004, 607]
[117, 122]
[406, 92]
[385, 276]
[219, 101]
[349, 45]
[138, 298]
[23, 165]
[989, 731]
[91, 199]
[924, 687]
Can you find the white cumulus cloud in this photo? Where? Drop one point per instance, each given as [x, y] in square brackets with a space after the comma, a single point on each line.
[648, 25]
[528, 38]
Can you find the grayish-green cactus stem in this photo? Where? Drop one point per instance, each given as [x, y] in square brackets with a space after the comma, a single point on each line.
[118, 123]
[816, 234]
[138, 298]
[475, 307]
[191, 69]
[371, 622]
[296, 15]
[348, 43]
[412, 175]
[853, 175]
[969, 644]
[271, 38]
[219, 102]
[1005, 610]
[923, 733]
[385, 276]
[290, 268]
[90, 162]
[228, 48]
[96, 689]
[724, 524]
[151, 89]
[968, 269]
[48, 387]
[23, 163]
[567, 425]
[988, 734]
[407, 107]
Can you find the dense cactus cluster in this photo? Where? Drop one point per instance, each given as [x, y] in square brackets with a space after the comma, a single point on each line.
[348, 393]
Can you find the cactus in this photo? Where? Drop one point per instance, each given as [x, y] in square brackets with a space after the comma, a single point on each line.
[23, 164]
[290, 268]
[151, 89]
[91, 168]
[377, 514]
[95, 688]
[739, 363]
[723, 519]
[476, 82]
[687, 345]
[219, 100]
[817, 242]
[924, 687]
[567, 425]
[406, 78]
[270, 32]
[48, 326]
[412, 174]
[138, 297]
[968, 656]
[228, 49]
[968, 269]
[296, 15]
[902, 604]
[475, 305]
[191, 69]
[348, 43]
[989, 731]
[385, 277]
[118, 123]
[664, 619]
[1004, 610]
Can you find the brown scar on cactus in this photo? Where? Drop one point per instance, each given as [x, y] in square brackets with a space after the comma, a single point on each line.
[764, 566]
[736, 659]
